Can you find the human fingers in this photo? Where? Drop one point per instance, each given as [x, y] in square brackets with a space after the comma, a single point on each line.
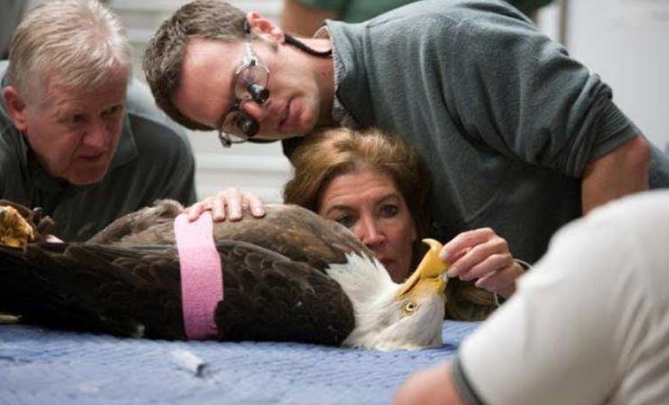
[232, 202]
[255, 204]
[480, 249]
[464, 241]
[228, 204]
[483, 264]
[502, 281]
[194, 211]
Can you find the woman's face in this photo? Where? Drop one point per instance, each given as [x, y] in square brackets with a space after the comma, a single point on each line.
[370, 205]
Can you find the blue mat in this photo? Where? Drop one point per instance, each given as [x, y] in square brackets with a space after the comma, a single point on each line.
[39, 366]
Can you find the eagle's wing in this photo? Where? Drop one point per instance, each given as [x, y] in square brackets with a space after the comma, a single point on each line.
[298, 234]
[289, 230]
[142, 227]
[270, 297]
[125, 292]
[137, 292]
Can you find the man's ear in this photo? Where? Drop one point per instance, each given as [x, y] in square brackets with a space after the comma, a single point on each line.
[16, 107]
[265, 28]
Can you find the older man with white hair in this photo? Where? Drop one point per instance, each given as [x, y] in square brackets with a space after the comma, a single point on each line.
[78, 136]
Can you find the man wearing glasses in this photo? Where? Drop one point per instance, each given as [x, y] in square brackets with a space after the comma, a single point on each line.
[518, 136]
[250, 85]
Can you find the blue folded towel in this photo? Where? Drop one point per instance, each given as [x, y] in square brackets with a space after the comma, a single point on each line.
[39, 366]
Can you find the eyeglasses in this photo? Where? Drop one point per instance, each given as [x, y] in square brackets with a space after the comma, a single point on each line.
[250, 84]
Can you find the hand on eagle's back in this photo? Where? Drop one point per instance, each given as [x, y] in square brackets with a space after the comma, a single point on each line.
[228, 204]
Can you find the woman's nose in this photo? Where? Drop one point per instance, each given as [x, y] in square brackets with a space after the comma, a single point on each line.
[369, 233]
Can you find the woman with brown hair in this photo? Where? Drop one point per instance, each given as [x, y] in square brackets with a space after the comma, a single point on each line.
[377, 186]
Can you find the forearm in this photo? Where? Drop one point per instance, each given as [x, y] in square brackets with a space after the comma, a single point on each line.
[433, 386]
[622, 171]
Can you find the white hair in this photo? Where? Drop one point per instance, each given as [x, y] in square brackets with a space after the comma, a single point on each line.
[78, 44]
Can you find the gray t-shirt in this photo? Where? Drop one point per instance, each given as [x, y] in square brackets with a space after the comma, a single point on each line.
[154, 160]
[504, 118]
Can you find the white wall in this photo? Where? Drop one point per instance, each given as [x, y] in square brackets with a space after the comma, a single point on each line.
[627, 43]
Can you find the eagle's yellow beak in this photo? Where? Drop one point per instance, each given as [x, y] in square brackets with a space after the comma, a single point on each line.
[15, 231]
[429, 272]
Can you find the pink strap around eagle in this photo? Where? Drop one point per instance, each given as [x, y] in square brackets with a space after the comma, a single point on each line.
[201, 275]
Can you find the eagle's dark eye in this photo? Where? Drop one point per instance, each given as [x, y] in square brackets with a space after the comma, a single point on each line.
[409, 307]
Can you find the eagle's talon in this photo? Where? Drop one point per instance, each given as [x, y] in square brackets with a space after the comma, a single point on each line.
[15, 230]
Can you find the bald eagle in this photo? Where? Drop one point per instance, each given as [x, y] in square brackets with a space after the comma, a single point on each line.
[289, 276]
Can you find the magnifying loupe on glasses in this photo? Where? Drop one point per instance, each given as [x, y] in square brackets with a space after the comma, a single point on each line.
[250, 85]
[245, 123]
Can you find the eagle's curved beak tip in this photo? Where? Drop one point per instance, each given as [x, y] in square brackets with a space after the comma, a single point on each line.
[431, 268]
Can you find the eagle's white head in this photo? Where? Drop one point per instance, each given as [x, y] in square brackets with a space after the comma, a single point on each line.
[390, 316]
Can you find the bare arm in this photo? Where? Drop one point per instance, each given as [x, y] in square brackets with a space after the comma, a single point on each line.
[302, 20]
[622, 171]
[432, 386]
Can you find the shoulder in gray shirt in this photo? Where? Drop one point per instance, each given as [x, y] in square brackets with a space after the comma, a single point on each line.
[504, 118]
